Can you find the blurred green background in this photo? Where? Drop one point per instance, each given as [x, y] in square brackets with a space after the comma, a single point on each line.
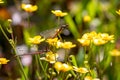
[101, 17]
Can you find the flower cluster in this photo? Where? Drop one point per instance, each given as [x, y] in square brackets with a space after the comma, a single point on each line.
[96, 39]
[58, 44]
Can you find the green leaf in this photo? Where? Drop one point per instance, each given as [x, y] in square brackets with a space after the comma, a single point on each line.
[72, 26]
[73, 60]
[92, 8]
[80, 56]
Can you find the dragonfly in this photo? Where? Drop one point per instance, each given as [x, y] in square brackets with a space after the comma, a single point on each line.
[52, 33]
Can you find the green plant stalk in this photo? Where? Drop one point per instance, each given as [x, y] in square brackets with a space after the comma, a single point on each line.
[12, 33]
[61, 75]
[91, 55]
[40, 63]
[37, 63]
[67, 77]
[77, 76]
[15, 52]
[28, 19]
[38, 57]
[22, 69]
[58, 22]
[46, 66]
[73, 73]
[26, 70]
[66, 56]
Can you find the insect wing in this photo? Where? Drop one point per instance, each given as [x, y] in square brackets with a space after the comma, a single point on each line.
[49, 33]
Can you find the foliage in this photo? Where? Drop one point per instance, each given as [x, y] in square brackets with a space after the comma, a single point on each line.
[76, 41]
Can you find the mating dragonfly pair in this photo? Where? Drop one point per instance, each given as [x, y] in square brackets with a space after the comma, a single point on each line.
[52, 33]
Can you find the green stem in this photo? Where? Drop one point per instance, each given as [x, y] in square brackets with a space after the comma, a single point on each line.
[66, 55]
[46, 66]
[37, 65]
[4, 33]
[73, 73]
[77, 76]
[11, 32]
[58, 23]
[15, 52]
[22, 69]
[42, 66]
[39, 61]
[60, 76]
[28, 19]
[67, 76]
[6, 36]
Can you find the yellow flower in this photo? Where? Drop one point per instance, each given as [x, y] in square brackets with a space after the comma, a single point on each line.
[67, 45]
[88, 78]
[58, 66]
[115, 52]
[1, 1]
[59, 13]
[81, 69]
[66, 67]
[99, 41]
[84, 42]
[52, 41]
[3, 61]
[86, 18]
[36, 40]
[62, 67]
[90, 35]
[106, 36]
[59, 44]
[50, 57]
[29, 7]
[118, 12]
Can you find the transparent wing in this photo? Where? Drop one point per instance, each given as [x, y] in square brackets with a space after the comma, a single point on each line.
[51, 33]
